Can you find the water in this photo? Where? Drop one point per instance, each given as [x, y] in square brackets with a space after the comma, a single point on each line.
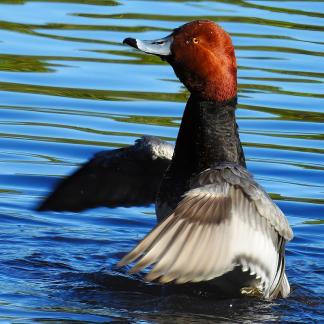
[69, 88]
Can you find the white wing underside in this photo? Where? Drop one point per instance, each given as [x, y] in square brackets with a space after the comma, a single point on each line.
[214, 228]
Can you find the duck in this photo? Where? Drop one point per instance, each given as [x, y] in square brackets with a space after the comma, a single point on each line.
[215, 223]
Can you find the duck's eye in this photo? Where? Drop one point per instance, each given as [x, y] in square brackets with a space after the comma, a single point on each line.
[195, 40]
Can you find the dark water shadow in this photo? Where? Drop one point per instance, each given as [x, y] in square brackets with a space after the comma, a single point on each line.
[154, 302]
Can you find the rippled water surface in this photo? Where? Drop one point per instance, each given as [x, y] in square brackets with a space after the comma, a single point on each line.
[69, 88]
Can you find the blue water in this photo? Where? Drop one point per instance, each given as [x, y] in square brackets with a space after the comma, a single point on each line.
[69, 88]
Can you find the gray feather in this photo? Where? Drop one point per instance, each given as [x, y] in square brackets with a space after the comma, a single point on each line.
[225, 220]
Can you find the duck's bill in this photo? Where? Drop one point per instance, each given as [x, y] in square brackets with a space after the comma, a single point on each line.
[161, 47]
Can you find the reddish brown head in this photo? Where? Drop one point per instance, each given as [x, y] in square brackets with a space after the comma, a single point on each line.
[202, 56]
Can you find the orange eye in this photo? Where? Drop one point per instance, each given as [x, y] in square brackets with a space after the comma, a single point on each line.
[195, 40]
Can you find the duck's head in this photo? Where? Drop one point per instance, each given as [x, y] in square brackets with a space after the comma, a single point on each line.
[202, 56]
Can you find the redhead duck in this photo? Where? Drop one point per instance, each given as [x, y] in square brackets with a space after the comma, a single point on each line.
[215, 223]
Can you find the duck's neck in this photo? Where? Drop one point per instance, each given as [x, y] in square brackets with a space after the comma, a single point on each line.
[208, 134]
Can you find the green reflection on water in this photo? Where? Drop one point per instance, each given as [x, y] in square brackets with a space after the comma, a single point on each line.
[82, 142]
[276, 89]
[288, 114]
[278, 49]
[276, 196]
[288, 72]
[149, 120]
[282, 79]
[183, 18]
[284, 147]
[89, 2]
[8, 191]
[16, 63]
[314, 222]
[92, 93]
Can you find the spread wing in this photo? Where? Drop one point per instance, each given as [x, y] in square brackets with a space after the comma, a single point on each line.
[225, 220]
[127, 176]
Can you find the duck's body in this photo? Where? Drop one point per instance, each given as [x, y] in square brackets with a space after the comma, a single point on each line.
[215, 222]
[207, 135]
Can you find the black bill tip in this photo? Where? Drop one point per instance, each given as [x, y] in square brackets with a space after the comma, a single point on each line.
[130, 41]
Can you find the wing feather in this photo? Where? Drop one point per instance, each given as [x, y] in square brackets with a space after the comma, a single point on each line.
[226, 220]
[128, 176]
